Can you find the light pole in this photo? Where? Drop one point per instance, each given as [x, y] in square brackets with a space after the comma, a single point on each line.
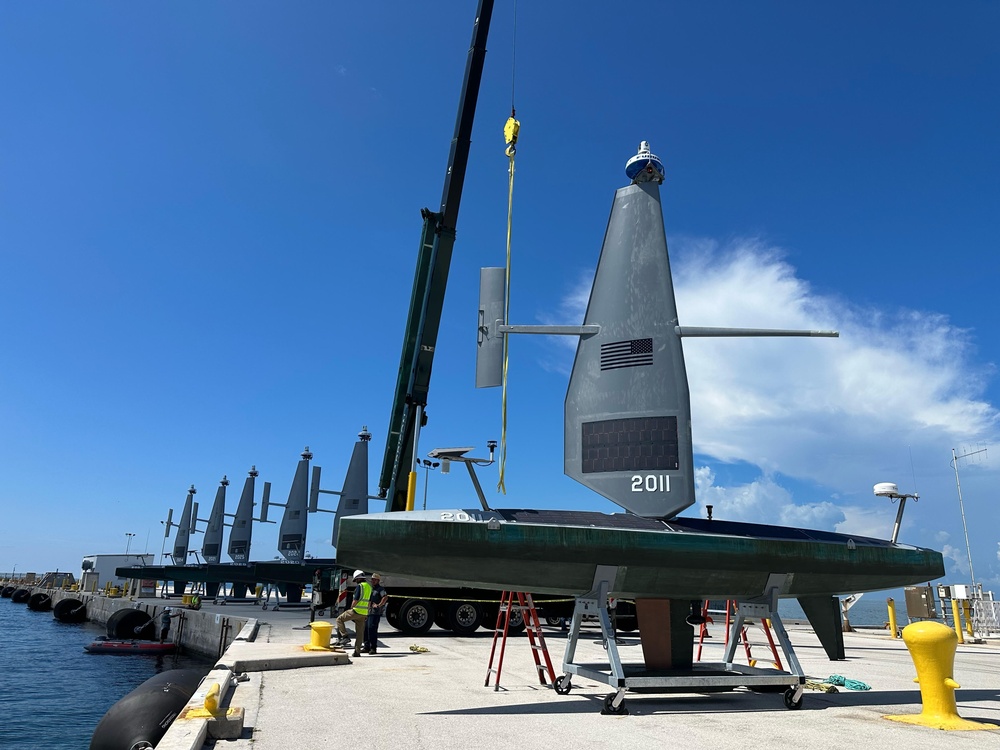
[428, 465]
[128, 544]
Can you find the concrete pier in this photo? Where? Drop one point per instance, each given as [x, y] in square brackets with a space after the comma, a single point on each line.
[203, 632]
[433, 696]
[268, 692]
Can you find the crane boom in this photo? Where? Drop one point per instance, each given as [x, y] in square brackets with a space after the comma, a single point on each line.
[430, 279]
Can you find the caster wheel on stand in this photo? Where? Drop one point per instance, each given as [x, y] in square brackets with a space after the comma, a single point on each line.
[790, 702]
[609, 708]
[562, 685]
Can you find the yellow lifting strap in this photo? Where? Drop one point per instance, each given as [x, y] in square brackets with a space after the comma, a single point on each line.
[510, 133]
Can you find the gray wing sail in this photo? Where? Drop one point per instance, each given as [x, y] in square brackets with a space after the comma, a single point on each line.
[183, 537]
[292, 532]
[627, 409]
[354, 498]
[240, 536]
[211, 547]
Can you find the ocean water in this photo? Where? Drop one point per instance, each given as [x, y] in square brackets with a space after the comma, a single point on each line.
[870, 611]
[53, 693]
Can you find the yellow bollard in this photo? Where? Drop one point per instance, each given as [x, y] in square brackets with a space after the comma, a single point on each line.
[892, 617]
[958, 621]
[212, 699]
[967, 613]
[932, 647]
[319, 640]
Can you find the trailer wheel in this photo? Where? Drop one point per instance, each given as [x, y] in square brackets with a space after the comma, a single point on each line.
[464, 618]
[392, 613]
[627, 623]
[441, 616]
[489, 616]
[415, 617]
[516, 624]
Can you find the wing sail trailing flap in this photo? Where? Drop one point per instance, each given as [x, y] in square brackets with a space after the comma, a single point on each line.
[627, 409]
[242, 532]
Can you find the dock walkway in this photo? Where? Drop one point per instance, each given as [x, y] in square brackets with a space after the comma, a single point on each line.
[433, 699]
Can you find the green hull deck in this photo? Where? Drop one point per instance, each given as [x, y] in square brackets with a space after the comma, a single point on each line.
[558, 552]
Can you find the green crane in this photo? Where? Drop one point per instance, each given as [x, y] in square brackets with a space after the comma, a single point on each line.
[430, 279]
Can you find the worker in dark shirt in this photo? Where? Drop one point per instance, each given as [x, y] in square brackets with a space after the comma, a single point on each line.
[375, 610]
[165, 617]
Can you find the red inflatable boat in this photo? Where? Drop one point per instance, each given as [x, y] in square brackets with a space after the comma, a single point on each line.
[106, 646]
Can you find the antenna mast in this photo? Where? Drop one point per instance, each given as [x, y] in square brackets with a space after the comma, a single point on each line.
[961, 506]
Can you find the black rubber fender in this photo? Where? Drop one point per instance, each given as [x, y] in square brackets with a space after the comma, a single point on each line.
[40, 601]
[8, 591]
[21, 596]
[70, 610]
[145, 714]
[129, 624]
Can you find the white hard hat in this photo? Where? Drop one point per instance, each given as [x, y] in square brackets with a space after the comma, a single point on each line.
[166, 609]
[359, 574]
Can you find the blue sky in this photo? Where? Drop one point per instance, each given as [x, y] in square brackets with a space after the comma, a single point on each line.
[209, 215]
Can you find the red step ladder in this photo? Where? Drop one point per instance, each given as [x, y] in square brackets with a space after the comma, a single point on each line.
[532, 627]
[743, 636]
[764, 625]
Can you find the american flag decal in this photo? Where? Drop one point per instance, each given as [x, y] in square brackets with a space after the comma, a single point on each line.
[634, 353]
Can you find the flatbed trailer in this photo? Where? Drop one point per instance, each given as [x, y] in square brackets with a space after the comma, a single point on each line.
[414, 606]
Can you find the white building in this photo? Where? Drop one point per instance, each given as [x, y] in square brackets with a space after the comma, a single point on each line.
[99, 570]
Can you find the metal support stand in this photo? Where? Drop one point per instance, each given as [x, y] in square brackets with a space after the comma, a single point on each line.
[701, 677]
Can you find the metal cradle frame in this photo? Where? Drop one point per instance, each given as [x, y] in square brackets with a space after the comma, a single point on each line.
[702, 677]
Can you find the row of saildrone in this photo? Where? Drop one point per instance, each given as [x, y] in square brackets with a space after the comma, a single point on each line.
[303, 499]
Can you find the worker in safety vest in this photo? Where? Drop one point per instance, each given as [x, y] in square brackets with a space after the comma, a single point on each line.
[357, 614]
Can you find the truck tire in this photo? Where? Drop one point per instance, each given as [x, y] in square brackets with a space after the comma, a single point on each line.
[415, 617]
[627, 623]
[392, 613]
[464, 618]
[489, 616]
[441, 615]
[516, 624]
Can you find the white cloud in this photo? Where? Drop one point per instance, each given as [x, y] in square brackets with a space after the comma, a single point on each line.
[830, 417]
[812, 407]
[760, 501]
[957, 557]
[822, 410]
[872, 520]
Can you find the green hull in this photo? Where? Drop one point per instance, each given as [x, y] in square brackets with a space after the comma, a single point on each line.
[656, 560]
